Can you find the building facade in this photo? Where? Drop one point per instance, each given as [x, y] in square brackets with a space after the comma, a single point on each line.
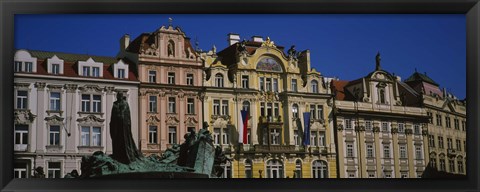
[446, 144]
[275, 88]
[62, 108]
[170, 74]
[380, 133]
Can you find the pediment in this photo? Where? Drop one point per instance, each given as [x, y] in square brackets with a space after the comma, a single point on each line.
[191, 121]
[90, 119]
[55, 119]
[152, 120]
[172, 120]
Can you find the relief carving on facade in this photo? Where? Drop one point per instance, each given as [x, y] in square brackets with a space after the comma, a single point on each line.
[90, 88]
[90, 119]
[190, 121]
[172, 120]
[71, 88]
[54, 120]
[55, 87]
[153, 120]
[40, 85]
[24, 116]
[21, 85]
[340, 127]
[220, 121]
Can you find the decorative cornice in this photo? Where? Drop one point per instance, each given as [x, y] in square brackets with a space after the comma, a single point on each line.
[153, 120]
[340, 127]
[172, 120]
[408, 131]
[54, 87]
[90, 88]
[376, 129]
[24, 116]
[21, 85]
[40, 85]
[71, 88]
[90, 118]
[55, 119]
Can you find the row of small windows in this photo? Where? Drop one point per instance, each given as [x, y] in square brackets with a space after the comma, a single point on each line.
[152, 78]
[153, 103]
[54, 170]
[24, 66]
[441, 164]
[370, 151]
[153, 134]
[89, 135]
[385, 126]
[439, 122]
[275, 169]
[458, 143]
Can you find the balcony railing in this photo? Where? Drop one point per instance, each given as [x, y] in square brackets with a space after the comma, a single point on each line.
[275, 148]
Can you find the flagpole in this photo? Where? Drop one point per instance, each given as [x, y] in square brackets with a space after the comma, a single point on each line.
[238, 128]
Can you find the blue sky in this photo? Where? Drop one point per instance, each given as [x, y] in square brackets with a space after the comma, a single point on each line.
[340, 45]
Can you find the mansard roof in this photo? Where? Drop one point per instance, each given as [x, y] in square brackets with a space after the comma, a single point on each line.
[417, 77]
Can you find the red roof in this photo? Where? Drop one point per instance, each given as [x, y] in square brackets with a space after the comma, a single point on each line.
[338, 87]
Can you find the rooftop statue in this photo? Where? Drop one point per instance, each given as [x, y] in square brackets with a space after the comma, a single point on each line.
[378, 59]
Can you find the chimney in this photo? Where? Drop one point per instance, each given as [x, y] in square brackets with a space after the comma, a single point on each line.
[124, 42]
[233, 38]
[257, 39]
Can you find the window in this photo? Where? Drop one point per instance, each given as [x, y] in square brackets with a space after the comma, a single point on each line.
[275, 85]
[216, 107]
[54, 135]
[22, 99]
[246, 106]
[54, 170]
[295, 110]
[349, 150]
[274, 169]
[172, 135]
[269, 84]
[381, 95]
[439, 120]
[171, 78]
[321, 138]
[459, 145]
[348, 124]
[262, 84]
[245, 81]
[386, 151]
[189, 79]
[447, 122]
[296, 137]
[216, 136]
[298, 169]
[442, 165]
[384, 126]
[430, 120]
[20, 170]
[433, 162]
[294, 85]
[276, 111]
[28, 67]
[224, 107]
[21, 134]
[404, 175]
[86, 71]
[314, 86]
[225, 137]
[319, 112]
[227, 169]
[275, 136]
[248, 169]
[121, 73]
[431, 141]
[416, 129]
[313, 138]
[18, 66]
[451, 165]
[418, 152]
[449, 143]
[401, 128]
[218, 80]
[319, 169]
[152, 134]
[95, 71]
[152, 76]
[465, 145]
[55, 101]
[190, 106]
[368, 125]
[171, 105]
[460, 166]
[91, 136]
[55, 69]
[370, 151]
[403, 151]
[152, 104]
[463, 125]
[456, 122]
[440, 142]
[91, 103]
[248, 136]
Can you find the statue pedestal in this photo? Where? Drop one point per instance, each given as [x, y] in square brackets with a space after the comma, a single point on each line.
[153, 175]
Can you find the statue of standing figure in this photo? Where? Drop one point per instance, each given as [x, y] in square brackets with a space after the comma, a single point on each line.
[124, 148]
[378, 59]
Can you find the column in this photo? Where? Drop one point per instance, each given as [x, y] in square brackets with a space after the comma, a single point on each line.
[378, 149]
[40, 127]
[142, 125]
[70, 117]
[109, 99]
[410, 151]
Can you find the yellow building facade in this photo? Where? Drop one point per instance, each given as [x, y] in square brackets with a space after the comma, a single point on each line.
[275, 88]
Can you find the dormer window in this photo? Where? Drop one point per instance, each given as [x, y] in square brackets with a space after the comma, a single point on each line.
[314, 86]
[95, 71]
[24, 62]
[90, 68]
[121, 73]
[120, 70]
[55, 69]
[55, 65]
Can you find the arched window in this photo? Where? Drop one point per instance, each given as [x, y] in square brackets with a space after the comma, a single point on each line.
[171, 48]
[248, 169]
[274, 169]
[319, 169]
[381, 95]
[218, 80]
[314, 86]
[227, 170]
[246, 106]
[298, 169]
[433, 160]
[295, 110]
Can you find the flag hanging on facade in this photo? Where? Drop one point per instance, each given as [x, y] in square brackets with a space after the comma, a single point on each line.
[306, 130]
[242, 127]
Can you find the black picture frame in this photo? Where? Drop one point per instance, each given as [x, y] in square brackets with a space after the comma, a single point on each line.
[8, 8]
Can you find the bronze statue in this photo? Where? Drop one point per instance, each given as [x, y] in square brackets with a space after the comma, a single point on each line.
[292, 53]
[378, 59]
[124, 148]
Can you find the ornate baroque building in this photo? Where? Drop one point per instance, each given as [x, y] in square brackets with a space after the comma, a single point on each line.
[275, 88]
[380, 131]
[170, 74]
[62, 108]
[447, 126]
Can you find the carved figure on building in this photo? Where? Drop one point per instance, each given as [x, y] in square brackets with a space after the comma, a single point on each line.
[268, 43]
[124, 148]
[170, 49]
[292, 53]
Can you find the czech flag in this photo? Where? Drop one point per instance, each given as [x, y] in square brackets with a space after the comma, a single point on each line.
[242, 126]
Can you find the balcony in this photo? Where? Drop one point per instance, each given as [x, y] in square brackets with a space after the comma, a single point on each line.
[275, 149]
